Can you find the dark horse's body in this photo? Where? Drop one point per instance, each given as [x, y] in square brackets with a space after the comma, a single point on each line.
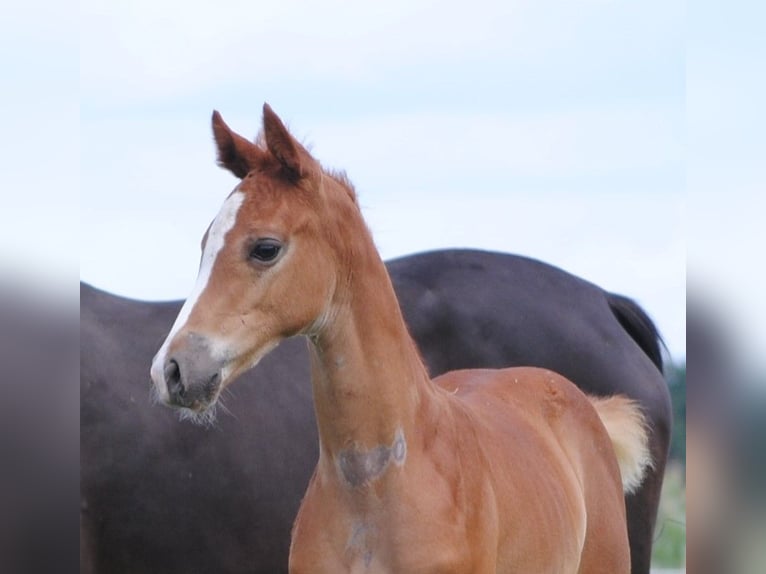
[164, 497]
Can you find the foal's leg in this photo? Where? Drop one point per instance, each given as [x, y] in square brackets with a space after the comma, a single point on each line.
[606, 549]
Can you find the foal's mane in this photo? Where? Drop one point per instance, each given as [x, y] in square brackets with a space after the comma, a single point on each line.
[337, 175]
[340, 176]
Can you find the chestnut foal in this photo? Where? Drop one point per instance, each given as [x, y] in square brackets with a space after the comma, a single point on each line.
[512, 470]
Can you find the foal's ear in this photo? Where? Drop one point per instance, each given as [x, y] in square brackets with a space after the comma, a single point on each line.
[235, 153]
[295, 160]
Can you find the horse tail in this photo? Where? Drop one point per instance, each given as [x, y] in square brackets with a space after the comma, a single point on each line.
[628, 431]
[639, 326]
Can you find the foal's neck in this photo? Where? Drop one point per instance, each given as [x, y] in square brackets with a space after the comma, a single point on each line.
[369, 381]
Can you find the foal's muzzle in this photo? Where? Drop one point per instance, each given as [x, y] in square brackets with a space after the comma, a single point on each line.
[189, 373]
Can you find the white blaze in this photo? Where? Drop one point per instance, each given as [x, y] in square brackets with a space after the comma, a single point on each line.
[216, 237]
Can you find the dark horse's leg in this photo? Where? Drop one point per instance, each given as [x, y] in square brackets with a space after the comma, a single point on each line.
[651, 391]
[643, 504]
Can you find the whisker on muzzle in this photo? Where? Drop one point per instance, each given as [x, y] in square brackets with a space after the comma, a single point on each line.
[207, 418]
[225, 409]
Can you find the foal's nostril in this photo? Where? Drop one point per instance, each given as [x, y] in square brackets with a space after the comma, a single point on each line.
[173, 379]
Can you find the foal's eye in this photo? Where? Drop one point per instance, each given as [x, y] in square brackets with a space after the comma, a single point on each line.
[265, 250]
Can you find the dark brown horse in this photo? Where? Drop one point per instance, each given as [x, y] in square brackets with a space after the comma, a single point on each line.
[159, 497]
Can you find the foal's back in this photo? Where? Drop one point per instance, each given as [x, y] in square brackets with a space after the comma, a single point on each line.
[551, 468]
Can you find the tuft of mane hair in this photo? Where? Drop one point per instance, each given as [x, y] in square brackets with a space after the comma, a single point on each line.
[338, 175]
[341, 177]
[627, 428]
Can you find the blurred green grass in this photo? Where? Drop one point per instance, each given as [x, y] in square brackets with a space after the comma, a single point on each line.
[669, 549]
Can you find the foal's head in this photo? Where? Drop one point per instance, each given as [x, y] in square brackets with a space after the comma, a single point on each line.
[272, 262]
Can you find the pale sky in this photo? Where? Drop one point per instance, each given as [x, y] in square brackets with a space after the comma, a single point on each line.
[726, 175]
[555, 130]
[549, 129]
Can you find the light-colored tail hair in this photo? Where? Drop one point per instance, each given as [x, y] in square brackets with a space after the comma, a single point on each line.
[628, 431]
